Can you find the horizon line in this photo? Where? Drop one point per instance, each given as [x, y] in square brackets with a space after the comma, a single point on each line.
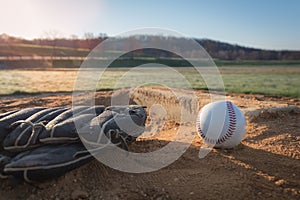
[95, 36]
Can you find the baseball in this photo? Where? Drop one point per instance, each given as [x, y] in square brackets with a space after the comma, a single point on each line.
[221, 124]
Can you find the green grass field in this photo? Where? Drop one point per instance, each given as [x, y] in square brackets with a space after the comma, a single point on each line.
[278, 81]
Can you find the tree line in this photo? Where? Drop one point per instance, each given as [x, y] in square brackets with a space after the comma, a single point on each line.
[216, 49]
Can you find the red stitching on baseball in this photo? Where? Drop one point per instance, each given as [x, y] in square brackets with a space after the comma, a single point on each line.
[232, 123]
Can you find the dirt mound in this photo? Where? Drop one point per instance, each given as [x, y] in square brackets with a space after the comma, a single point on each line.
[276, 112]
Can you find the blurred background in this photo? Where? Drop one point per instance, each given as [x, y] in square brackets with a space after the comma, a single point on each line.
[255, 44]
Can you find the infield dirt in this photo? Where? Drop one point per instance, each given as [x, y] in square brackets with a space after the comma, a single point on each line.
[265, 166]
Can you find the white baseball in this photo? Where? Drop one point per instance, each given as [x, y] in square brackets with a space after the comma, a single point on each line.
[221, 124]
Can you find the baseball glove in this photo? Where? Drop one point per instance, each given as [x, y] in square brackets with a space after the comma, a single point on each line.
[41, 143]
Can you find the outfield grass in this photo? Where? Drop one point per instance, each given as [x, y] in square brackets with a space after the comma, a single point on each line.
[279, 81]
[271, 84]
[257, 63]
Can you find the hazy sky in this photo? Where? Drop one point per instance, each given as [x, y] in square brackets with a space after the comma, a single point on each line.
[269, 24]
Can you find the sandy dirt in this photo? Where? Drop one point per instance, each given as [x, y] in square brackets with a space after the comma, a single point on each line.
[266, 165]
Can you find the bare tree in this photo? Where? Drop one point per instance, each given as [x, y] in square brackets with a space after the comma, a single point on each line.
[74, 39]
[89, 38]
[53, 36]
